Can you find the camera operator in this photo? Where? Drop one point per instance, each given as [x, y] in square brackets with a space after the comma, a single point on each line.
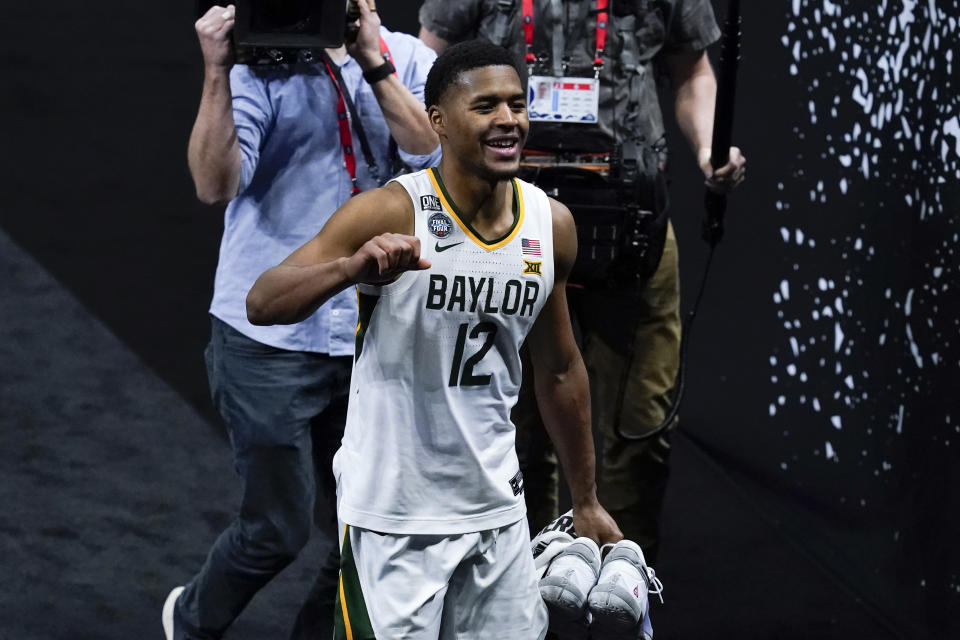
[632, 307]
[286, 145]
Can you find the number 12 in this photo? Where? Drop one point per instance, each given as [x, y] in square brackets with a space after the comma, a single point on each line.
[468, 379]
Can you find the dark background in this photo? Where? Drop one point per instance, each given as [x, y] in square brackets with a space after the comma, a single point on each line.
[814, 488]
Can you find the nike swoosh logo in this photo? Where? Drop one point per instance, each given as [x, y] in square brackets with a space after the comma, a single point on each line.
[448, 246]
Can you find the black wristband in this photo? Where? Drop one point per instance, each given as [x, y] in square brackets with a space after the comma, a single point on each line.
[375, 75]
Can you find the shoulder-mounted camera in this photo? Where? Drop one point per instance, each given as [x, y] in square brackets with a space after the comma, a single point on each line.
[284, 31]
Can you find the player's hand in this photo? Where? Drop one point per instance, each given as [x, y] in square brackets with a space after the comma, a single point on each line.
[366, 48]
[384, 257]
[213, 31]
[592, 521]
[724, 179]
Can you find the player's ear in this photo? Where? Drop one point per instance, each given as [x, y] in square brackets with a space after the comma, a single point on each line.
[436, 118]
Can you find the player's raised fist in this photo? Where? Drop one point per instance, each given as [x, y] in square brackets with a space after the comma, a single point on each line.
[213, 31]
[384, 257]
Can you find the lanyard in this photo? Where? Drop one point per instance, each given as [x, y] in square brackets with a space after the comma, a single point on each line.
[343, 124]
[346, 138]
[385, 52]
[601, 40]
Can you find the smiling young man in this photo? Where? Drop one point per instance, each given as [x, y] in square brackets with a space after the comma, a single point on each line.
[456, 266]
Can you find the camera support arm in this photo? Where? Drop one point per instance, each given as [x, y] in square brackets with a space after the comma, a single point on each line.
[716, 203]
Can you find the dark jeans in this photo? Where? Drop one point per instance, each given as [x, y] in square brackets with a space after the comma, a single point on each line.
[285, 412]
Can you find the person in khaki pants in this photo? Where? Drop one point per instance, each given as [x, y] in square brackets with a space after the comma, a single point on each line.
[633, 475]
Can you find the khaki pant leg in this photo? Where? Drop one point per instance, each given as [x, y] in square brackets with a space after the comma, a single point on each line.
[633, 476]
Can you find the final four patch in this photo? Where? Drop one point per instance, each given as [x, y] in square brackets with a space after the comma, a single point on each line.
[532, 267]
[440, 225]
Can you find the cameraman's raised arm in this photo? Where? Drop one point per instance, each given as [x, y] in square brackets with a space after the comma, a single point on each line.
[403, 112]
[213, 153]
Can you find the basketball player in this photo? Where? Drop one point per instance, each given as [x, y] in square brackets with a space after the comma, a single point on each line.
[456, 266]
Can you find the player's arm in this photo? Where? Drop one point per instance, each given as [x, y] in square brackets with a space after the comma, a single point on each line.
[563, 391]
[695, 86]
[404, 113]
[369, 239]
[213, 153]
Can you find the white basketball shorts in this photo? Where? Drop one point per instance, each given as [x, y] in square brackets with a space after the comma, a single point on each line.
[473, 586]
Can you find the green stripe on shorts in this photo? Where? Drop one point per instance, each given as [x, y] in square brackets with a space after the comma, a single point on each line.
[350, 619]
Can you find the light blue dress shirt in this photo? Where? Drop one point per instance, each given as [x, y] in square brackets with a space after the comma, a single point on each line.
[293, 178]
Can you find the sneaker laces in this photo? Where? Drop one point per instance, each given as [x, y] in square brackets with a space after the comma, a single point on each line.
[654, 585]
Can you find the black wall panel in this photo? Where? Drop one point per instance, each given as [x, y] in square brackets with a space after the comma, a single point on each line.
[825, 364]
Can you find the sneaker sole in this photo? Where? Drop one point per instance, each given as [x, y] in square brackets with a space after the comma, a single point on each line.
[564, 600]
[166, 617]
[615, 610]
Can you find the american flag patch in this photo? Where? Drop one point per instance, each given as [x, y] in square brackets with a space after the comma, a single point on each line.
[530, 247]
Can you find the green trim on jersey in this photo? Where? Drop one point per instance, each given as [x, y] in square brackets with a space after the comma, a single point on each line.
[350, 618]
[365, 305]
[456, 211]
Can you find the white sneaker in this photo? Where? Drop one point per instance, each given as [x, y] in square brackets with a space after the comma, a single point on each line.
[563, 523]
[547, 546]
[568, 580]
[619, 602]
[166, 617]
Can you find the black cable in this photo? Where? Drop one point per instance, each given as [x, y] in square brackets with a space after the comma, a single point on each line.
[716, 204]
[680, 382]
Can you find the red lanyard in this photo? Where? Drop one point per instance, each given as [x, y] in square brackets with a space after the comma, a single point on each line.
[346, 138]
[343, 122]
[385, 52]
[602, 18]
[528, 30]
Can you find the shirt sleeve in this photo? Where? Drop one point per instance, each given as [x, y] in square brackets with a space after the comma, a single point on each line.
[693, 28]
[252, 117]
[452, 20]
[414, 78]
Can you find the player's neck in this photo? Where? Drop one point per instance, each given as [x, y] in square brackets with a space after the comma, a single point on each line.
[486, 205]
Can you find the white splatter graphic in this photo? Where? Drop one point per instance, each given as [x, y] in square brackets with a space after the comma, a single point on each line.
[830, 453]
[867, 210]
[888, 116]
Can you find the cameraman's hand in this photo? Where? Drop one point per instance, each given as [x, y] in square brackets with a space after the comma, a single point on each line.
[213, 31]
[366, 48]
[730, 175]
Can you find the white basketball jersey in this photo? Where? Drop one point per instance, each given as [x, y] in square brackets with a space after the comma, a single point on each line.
[429, 445]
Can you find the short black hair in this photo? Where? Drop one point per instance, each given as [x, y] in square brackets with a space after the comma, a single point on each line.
[461, 57]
